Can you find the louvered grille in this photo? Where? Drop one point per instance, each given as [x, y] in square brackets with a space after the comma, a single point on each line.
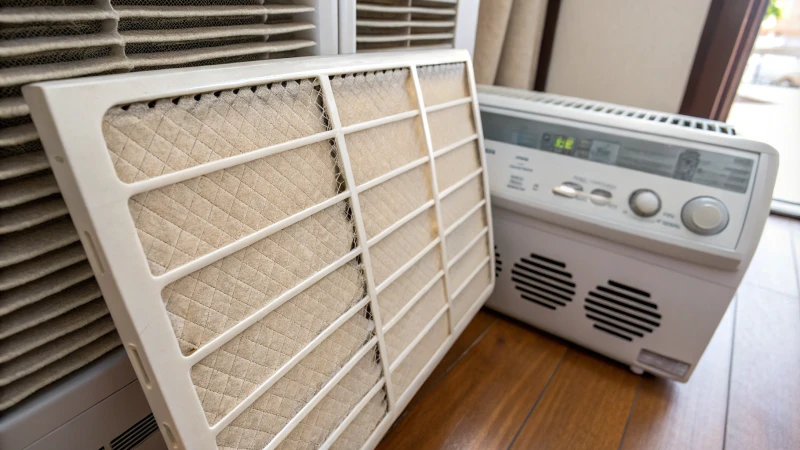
[622, 311]
[404, 24]
[561, 101]
[48, 298]
[136, 434]
[498, 262]
[543, 281]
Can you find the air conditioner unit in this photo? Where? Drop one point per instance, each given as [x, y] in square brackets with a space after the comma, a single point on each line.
[287, 250]
[53, 318]
[624, 230]
[100, 406]
[380, 25]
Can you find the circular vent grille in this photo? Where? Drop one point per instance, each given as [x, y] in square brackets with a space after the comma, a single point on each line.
[543, 281]
[622, 311]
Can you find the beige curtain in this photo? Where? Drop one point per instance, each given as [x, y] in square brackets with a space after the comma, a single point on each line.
[508, 41]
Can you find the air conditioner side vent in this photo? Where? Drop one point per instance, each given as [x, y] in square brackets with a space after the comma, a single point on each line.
[622, 311]
[543, 281]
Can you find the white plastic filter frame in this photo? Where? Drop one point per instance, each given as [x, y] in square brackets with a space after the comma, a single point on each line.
[68, 114]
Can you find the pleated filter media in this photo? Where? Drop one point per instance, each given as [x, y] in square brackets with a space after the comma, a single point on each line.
[287, 250]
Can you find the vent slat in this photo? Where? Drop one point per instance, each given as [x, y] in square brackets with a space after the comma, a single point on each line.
[627, 297]
[614, 325]
[617, 302]
[144, 60]
[13, 107]
[20, 274]
[404, 23]
[619, 285]
[163, 12]
[30, 74]
[17, 47]
[202, 33]
[548, 260]
[526, 294]
[18, 135]
[46, 309]
[622, 312]
[626, 322]
[51, 330]
[135, 434]
[545, 275]
[24, 164]
[528, 276]
[31, 214]
[525, 287]
[19, 390]
[405, 9]
[38, 358]
[547, 268]
[28, 244]
[43, 14]
[404, 37]
[26, 190]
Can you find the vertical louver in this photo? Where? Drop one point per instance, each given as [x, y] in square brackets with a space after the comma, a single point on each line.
[52, 317]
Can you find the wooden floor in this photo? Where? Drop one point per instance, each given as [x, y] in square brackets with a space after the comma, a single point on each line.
[505, 385]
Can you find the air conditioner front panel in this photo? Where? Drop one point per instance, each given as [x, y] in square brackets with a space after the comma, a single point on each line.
[580, 294]
[272, 240]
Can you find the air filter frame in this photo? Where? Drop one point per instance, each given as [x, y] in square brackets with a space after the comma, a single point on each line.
[68, 114]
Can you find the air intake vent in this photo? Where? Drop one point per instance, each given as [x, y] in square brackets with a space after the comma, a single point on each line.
[622, 311]
[405, 24]
[596, 107]
[498, 262]
[136, 434]
[543, 281]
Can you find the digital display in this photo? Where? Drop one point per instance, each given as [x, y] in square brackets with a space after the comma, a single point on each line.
[718, 170]
[564, 142]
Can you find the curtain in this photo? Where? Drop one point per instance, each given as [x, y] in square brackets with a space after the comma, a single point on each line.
[508, 41]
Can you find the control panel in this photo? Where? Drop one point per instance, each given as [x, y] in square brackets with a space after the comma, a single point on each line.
[695, 192]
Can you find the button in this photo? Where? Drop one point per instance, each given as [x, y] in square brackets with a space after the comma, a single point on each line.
[705, 216]
[600, 197]
[573, 185]
[645, 203]
[565, 191]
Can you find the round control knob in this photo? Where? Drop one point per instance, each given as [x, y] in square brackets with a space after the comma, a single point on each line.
[645, 203]
[705, 215]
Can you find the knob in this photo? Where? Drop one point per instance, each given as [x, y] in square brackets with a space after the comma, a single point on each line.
[705, 216]
[645, 203]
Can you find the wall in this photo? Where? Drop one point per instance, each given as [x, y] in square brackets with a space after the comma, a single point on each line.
[632, 52]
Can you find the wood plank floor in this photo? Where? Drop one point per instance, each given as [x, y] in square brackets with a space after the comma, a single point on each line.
[505, 385]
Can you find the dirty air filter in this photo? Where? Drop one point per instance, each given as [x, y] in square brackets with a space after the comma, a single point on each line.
[287, 250]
